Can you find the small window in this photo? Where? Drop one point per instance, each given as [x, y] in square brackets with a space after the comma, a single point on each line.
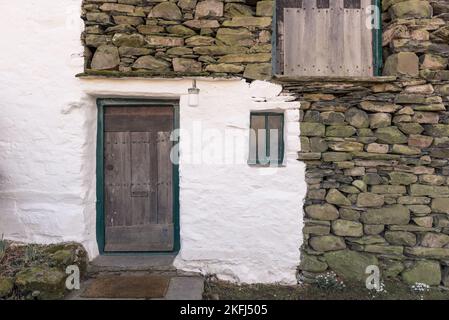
[266, 138]
[322, 4]
[352, 4]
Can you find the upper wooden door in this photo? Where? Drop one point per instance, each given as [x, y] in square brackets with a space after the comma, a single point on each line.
[138, 180]
[325, 37]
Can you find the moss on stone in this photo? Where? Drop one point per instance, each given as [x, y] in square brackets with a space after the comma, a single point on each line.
[6, 286]
[45, 282]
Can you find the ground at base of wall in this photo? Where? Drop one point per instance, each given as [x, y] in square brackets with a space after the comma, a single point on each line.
[220, 290]
[38, 272]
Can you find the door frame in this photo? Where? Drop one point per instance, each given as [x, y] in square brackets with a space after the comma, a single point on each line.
[100, 225]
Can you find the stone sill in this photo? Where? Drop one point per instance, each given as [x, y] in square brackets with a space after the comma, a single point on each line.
[93, 74]
[292, 79]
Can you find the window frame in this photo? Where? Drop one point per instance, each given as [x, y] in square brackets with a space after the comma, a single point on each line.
[281, 138]
[277, 60]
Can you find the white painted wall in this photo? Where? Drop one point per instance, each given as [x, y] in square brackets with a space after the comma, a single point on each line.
[242, 223]
[239, 222]
[47, 185]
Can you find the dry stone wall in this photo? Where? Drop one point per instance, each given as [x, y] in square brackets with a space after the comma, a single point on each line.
[376, 152]
[185, 37]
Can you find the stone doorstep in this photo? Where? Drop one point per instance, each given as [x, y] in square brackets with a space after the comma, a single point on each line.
[179, 288]
[124, 263]
[183, 285]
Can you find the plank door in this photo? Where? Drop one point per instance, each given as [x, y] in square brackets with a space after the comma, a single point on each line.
[138, 179]
[326, 38]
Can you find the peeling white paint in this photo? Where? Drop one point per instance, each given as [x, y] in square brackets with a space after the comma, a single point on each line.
[239, 222]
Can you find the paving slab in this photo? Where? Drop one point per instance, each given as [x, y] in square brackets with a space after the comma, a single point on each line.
[185, 288]
[180, 288]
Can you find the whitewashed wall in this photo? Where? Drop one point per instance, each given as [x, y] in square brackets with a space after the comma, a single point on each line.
[239, 222]
[47, 186]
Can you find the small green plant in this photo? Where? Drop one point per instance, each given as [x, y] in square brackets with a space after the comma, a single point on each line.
[3, 247]
[377, 292]
[31, 254]
[329, 281]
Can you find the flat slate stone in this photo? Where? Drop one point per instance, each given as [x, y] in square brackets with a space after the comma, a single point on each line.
[106, 58]
[185, 288]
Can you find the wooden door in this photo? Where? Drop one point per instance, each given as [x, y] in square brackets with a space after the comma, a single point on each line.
[138, 180]
[325, 38]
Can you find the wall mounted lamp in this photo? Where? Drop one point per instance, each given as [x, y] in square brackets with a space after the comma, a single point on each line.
[194, 95]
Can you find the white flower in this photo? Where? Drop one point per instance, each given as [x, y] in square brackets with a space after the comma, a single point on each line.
[420, 287]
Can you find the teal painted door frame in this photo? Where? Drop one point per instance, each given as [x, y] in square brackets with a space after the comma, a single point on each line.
[100, 225]
[377, 41]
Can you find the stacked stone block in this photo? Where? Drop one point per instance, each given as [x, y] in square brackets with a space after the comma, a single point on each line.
[185, 37]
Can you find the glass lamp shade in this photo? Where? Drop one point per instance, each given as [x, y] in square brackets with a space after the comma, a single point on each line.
[194, 97]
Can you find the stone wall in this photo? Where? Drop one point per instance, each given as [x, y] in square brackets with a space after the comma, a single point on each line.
[376, 152]
[185, 37]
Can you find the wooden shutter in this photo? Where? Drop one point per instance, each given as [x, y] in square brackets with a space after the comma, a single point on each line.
[325, 38]
[280, 7]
